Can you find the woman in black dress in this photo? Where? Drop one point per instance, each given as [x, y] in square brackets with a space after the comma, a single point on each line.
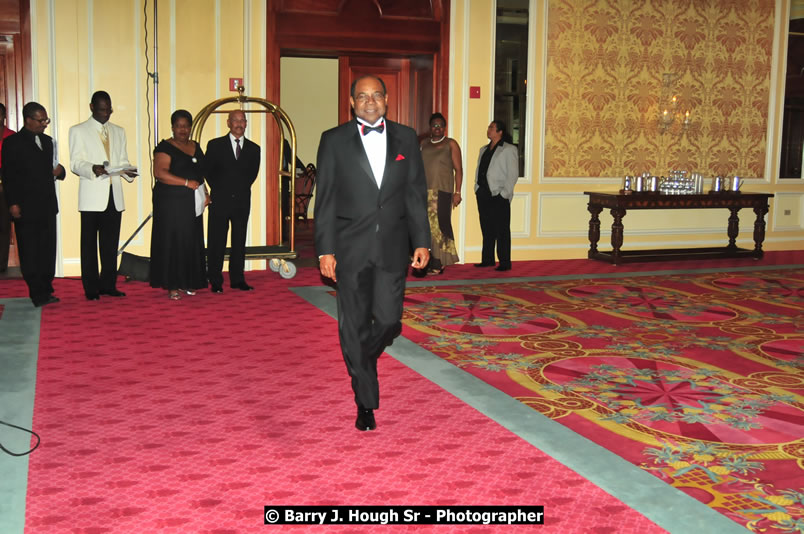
[177, 240]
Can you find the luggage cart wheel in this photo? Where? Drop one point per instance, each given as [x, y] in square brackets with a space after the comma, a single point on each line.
[287, 270]
[274, 264]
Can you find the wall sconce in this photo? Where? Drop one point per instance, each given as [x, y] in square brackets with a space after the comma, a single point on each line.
[671, 117]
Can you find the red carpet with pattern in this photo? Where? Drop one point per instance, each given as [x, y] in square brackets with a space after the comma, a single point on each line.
[696, 378]
[190, 416]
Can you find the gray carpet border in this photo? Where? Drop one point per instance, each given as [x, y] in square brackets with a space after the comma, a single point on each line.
[19, 350]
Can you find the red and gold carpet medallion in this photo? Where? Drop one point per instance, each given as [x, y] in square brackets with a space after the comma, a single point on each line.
[697, 378]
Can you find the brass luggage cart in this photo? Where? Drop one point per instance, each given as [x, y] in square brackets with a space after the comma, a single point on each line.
[280, 254]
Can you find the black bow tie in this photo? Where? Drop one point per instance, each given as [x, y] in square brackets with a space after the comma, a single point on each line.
[365, 128]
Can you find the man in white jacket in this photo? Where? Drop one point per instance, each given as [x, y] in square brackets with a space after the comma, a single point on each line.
[497, 172]
[97, 153]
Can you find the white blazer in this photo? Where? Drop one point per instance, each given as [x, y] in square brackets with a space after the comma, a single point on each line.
[86, 150]
[503, 171]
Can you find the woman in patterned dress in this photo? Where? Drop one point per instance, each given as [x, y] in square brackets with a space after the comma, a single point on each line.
[442, 165]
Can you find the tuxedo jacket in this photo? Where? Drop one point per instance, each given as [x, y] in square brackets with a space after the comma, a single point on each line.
[354, 219]
[503, 171]
[230, 179]
[28, 179]
[86, 150]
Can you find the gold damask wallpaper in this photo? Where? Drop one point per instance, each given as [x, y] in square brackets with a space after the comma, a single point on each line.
[606, 65]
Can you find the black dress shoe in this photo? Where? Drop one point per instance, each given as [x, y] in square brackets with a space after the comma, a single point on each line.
[503, 268]
[484, 265]
[365, 420]
[112, 293]
[217, 289]
[93, 297]
[242, 286]
[395, 333]
[50, 300]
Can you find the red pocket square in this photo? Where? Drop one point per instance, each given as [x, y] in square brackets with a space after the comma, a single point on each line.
[400, 157]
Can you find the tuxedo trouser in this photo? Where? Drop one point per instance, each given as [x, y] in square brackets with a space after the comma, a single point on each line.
[218, 229]
[369, 315]
[36, 240]
[495, 225]
[100, 230]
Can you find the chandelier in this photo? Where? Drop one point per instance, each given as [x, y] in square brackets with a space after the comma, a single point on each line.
[672, 117]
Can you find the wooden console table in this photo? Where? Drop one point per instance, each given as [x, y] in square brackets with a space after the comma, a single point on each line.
[619, 204]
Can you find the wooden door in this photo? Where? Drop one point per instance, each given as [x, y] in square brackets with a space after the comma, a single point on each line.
[8, 96]
[409, 82]
[405, 43]
[10, 82]
[7, 235]
[394, 73]
[15, 74]
[422, 94]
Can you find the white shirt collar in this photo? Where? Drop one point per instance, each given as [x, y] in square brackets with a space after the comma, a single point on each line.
[98, 125]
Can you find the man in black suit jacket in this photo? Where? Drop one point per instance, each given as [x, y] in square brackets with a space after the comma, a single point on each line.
[233, 163]
[371, 204]
[29, 169]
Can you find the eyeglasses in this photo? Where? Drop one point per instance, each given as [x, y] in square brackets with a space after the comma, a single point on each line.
[44, 121]
[363, 97]
[437, 126]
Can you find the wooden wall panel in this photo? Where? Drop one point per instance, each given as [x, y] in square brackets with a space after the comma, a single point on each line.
[9, 16]
[273, 226]
[318, 7]
[15, 39]
[408, 9]
[5, 63]
[386, 9]
[422, 94]
[16, 73]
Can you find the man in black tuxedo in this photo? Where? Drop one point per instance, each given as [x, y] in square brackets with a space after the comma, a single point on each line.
[29, 169]
[371, 204]
[233, 163]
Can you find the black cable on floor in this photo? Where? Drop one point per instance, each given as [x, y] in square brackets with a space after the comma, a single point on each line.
[38, 440]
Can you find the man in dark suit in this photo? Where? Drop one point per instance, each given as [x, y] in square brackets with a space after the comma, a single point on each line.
[371, 205]
[29, 168]
[233, 163]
